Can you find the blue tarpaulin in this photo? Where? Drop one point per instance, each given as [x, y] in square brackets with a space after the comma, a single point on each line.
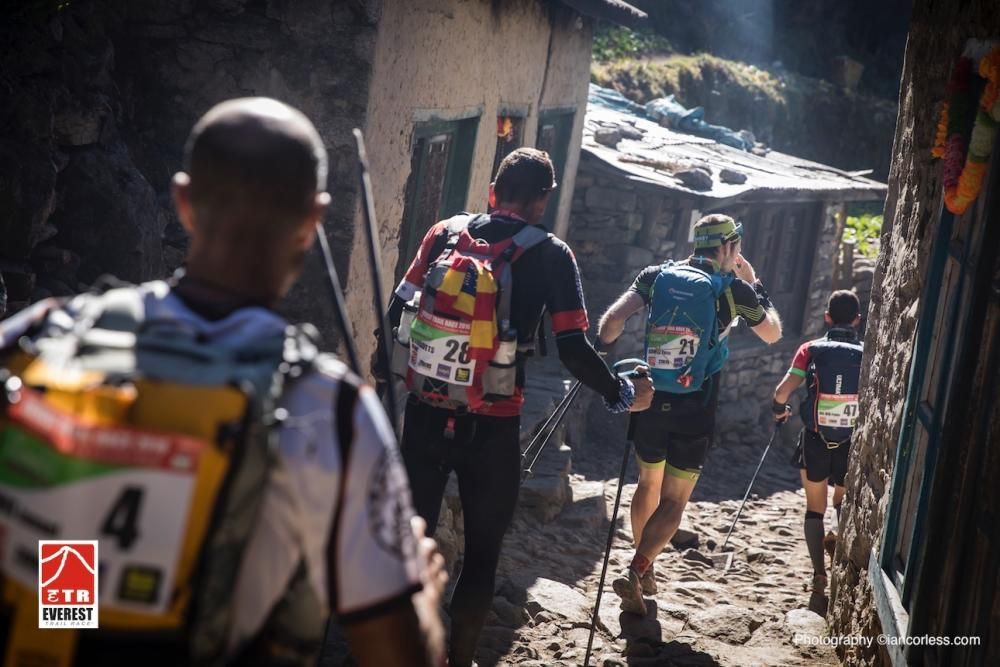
[671, 113]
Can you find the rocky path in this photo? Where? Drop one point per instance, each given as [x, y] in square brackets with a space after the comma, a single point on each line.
[702, 615]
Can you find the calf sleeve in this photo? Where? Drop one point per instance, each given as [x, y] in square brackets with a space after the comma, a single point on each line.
[814, 541]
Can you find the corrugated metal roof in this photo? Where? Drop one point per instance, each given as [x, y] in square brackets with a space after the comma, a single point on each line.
[771, 177]
[615, 11]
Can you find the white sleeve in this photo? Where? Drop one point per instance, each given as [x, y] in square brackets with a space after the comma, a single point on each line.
[376, 564]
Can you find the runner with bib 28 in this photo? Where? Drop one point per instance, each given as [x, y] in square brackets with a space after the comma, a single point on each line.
[691, 307]
[241, 485]
[831, 368]
[465, 316]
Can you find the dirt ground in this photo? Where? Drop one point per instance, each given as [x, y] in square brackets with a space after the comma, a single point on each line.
[756, 613]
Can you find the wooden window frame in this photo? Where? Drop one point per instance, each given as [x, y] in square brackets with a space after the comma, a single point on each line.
[563, 119]
[942, 347]
[454, 188]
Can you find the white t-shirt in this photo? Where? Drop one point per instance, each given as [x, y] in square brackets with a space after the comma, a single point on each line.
[375, 556]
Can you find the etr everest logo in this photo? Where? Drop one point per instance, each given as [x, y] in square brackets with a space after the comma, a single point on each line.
[67, 584]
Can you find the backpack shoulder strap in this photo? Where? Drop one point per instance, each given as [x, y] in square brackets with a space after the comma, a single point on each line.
[527, 238]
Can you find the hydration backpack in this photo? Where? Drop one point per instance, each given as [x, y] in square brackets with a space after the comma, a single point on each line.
[834, 372]
[456, 339]
[156, 444]
[682, 332]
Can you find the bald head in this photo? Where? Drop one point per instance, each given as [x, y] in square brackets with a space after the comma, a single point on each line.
[255, 161]
[251, 196]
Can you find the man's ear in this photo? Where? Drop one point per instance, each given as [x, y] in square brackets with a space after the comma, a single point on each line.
[857, 320]
[306, 234]
[492, 198]
[828, 319]
[181, 193]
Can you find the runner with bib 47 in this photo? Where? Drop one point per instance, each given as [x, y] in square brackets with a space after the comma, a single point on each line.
[831, 367]
[692, 306]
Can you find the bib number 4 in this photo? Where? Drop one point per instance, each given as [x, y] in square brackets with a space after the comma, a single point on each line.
[122, 520]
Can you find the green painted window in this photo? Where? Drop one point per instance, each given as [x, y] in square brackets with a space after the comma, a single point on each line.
[438, 186]
[555, 129]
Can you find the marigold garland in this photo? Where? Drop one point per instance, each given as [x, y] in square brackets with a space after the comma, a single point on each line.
[967, 154]
[942, 132]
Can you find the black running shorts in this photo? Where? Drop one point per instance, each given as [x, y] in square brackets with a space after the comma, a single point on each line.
[676, 431]
[819, 460]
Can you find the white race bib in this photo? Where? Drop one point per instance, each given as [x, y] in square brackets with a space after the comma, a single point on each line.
[671, 347]
[837, 410]
[130, 489]
[439, 348]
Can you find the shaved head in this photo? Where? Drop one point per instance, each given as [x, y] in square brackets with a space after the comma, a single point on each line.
[256, 161]
[252, 196]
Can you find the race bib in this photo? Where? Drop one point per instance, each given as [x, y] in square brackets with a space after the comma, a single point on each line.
[62, 478]
[837, 410]
[439, 348]
[671, 347]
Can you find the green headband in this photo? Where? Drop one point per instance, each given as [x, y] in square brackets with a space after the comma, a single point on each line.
[713, 236]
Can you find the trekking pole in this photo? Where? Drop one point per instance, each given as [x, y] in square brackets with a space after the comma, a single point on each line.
[375, 263]
[746, 495]
[338, 299]
[561, 409]
[614, 519]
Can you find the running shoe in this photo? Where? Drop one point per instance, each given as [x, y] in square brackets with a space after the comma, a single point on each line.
[830, 542]
[649, 582]
[629, 589]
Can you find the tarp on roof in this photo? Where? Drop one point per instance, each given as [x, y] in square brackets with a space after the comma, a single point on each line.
[655, 153]
[615, 11]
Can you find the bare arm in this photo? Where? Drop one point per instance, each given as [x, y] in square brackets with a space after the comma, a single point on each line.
[612, 322]
[392, 638]
[769, 329]
[786, 388]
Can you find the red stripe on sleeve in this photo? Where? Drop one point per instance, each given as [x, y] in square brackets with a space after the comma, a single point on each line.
[570, 320]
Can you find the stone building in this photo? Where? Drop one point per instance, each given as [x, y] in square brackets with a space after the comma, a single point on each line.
[97, 99]
[636, 200]
[919, 553]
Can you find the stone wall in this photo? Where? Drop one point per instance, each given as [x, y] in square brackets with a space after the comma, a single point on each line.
[99, 97]
[937, 36]
[619, 227]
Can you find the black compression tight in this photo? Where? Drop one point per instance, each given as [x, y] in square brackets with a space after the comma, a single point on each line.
[485, 454]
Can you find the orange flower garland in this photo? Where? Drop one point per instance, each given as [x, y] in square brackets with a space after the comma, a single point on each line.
[970, 183]
[942, 132]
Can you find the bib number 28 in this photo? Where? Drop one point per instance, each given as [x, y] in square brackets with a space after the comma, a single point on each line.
[456, 352]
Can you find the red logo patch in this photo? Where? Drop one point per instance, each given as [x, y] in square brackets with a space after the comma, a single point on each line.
[67, 584]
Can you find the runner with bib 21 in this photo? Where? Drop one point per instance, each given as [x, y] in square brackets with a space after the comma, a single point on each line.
[692, 306]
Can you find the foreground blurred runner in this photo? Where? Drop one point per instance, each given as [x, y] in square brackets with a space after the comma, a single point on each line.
[240, 485]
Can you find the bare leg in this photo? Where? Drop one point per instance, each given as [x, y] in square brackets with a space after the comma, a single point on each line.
[664, 522]
[646, 498]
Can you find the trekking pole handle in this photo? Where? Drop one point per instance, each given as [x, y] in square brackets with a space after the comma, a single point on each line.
[630, 363]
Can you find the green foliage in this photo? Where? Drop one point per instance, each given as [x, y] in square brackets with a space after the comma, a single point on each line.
[864, 232]
[614, 42]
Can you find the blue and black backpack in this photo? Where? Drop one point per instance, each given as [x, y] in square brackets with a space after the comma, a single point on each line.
[682, 332]
[834, 373]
